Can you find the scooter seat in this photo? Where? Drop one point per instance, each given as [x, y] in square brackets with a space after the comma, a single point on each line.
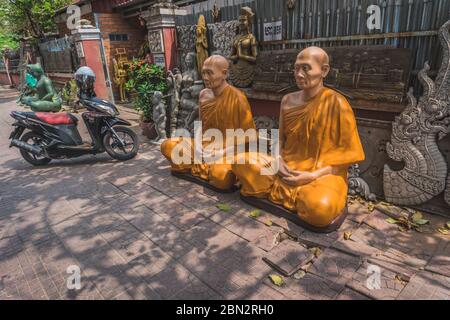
[56, 118]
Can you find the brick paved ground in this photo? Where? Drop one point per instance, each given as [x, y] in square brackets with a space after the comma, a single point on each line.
[135, 232]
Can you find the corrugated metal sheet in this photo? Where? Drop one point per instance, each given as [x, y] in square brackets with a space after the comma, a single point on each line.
[341, 23]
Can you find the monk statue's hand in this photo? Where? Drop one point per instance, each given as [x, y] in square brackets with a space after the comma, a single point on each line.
[299, 179]
[284, 170]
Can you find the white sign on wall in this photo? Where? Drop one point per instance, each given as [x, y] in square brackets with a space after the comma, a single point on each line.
[159, 59]
[273, 30]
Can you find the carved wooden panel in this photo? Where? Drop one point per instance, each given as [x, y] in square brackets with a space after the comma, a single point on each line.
[377, 73]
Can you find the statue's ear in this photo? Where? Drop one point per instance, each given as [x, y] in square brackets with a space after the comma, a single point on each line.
[325, 70]
[225, 73]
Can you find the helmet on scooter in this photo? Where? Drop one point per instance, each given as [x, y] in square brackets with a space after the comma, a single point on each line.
[85, 79]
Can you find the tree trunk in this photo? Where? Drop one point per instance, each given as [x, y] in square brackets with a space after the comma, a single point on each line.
[6, 62]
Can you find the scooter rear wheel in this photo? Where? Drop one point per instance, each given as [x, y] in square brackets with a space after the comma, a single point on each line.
[115, 149]
[33, 139]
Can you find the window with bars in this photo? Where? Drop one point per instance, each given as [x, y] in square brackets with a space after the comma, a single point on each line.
[118, 37]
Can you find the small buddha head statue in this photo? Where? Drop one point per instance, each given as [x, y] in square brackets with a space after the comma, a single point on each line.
[311, 68]
[245, 20]
[176, 71]
[157, 97]
[215, 71]
[190, 61]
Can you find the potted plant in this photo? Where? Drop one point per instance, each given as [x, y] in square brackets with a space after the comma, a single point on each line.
[144, 80]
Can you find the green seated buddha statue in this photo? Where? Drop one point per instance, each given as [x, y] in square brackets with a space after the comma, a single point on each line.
[43, 96]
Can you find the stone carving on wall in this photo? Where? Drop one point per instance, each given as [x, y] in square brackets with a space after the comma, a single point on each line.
[357, 185]
[186, 40]
[222, 35]
[414, 138]
[155, 41]
[375, 73]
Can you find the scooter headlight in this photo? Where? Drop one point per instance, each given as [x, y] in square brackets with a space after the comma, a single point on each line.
[109, 110]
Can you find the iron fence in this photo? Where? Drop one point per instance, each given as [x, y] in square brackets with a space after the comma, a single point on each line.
[59, 55]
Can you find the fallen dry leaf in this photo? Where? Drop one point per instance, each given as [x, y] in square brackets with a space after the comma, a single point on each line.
[347, 235]
[443, 231]
[421, 222]
[224, 207]
[276, 280]
[417, 216]
[268, 222]
[391, 220]
[386, 204]
[255, 213]
[300, 274]
[307, 266]
[400, 280]
[315, 251]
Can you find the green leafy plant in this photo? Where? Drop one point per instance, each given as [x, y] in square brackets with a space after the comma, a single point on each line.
[144, 80]
[28, 18]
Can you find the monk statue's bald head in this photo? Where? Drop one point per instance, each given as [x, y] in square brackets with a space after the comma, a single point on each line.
[215, 71]
[311, 68]
[218, 61]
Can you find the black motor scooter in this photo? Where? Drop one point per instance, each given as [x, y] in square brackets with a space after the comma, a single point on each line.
[55, 135]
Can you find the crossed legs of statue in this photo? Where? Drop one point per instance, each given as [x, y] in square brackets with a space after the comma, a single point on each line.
[319, 204]
[41, 105]
[219, 176]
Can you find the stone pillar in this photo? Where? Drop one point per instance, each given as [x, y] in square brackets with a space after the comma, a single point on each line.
[162, 39]
[89, 50]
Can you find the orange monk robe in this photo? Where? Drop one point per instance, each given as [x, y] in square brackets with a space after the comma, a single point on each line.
[322, 133]
[230, 110]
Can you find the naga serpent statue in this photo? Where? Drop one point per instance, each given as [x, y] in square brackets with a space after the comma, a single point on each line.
[415, 134]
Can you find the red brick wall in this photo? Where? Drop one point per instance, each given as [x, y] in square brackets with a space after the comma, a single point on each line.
[114, 23]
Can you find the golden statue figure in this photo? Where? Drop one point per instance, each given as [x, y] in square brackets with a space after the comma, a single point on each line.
[120, 64]
[201, 44]
[244, 51]
[318, 141]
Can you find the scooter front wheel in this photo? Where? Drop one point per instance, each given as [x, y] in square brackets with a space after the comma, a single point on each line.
[124, 149]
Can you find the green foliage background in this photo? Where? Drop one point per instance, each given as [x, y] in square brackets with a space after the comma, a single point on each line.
[27, 18]
[144, 80]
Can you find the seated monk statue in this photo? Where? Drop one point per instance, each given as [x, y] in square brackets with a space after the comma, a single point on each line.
[318, 141]
[222, 107]
[45, 98]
